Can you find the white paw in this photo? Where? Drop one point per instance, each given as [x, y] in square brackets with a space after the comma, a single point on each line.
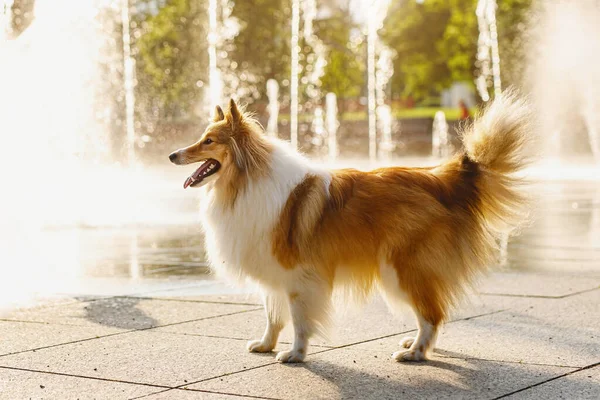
[407, 342]
[290, 356]
[409, 355]
[257, 346]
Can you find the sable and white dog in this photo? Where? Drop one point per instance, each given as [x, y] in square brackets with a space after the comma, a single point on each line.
[419, 235]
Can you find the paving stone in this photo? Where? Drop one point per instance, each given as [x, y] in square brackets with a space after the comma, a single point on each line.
[192, 295]
[546, 331]
[587, 268]
[124, 312]
[581, 385]
[210, 291]
[22, 336]
[519, 283]
[116, 286]
[143, 357]
[37, 300]
[16, 384]
[350, 325]
[182, 394]
[351, 374]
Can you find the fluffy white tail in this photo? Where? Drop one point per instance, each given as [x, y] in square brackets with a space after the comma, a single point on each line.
[501, 140]
[501, 143]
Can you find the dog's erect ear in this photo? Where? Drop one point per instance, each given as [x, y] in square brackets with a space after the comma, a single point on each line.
[219, 114]
[236, 116]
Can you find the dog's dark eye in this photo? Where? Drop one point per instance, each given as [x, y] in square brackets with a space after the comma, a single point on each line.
[208, 141]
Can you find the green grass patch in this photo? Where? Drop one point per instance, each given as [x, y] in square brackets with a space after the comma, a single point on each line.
[403, 113]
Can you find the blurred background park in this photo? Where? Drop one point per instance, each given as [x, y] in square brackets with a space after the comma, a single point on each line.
[145, 74]
[94, 94]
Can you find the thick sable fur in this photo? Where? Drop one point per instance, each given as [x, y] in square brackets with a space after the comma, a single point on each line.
[419, 235]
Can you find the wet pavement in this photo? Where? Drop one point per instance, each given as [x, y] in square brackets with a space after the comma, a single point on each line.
[136, 314]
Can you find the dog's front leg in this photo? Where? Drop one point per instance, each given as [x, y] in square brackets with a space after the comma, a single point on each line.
[310, 312]
[277, 312]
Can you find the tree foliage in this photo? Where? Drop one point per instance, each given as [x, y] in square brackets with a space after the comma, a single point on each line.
[513, 18]
[344, 72]
[171, 55]
[436, 43]
[262, 46]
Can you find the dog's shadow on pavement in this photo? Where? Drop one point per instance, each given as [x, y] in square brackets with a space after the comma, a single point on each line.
[386, 383]
[119, 312]
[437, 378]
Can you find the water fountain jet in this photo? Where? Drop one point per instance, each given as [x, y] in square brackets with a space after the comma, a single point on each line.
[332, 122]
[375, 12]
[318, 128]
[386, 145]
[565, 81]
[440, 144]
[273, 107]
[487, 49]
[214, 75]
[129, 85]
[371, 100]
[295, 71]
[5, 20]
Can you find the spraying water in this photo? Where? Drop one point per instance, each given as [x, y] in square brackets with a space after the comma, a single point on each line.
[52, 105]
[5, 19]
[371, 101]
[332, 122]
[565, 79]
[214, 74]
[386, 145]
[317, 61]
[273, 107]
[440, 145]
[384, 72]
[225, 81]
[318, 129]
[487, 49]
[376, 12]
[295, 71]
[129, 83]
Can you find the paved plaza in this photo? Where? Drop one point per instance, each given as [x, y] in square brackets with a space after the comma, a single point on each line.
[153, 325]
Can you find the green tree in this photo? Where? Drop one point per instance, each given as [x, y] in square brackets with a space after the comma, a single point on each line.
[415, 31]
[171, 56]
[344, 72]
[262, 46]
[514, 18]
[436, 43]
[458, 45]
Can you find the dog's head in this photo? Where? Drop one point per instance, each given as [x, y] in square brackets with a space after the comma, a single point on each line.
[232, 149]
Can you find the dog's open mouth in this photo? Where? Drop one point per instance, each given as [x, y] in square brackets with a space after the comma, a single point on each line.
[207, 168]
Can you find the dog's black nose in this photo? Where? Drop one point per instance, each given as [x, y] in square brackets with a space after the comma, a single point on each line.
[173, 156]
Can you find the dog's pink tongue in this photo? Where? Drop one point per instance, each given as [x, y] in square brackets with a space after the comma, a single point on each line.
[195, 177]
[188, 182]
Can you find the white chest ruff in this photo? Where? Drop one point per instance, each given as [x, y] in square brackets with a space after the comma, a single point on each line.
[239, 240]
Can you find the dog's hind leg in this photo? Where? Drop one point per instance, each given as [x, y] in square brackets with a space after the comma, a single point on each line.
[417, 348]
[310, 308]
[276, 308]
[426, 304]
